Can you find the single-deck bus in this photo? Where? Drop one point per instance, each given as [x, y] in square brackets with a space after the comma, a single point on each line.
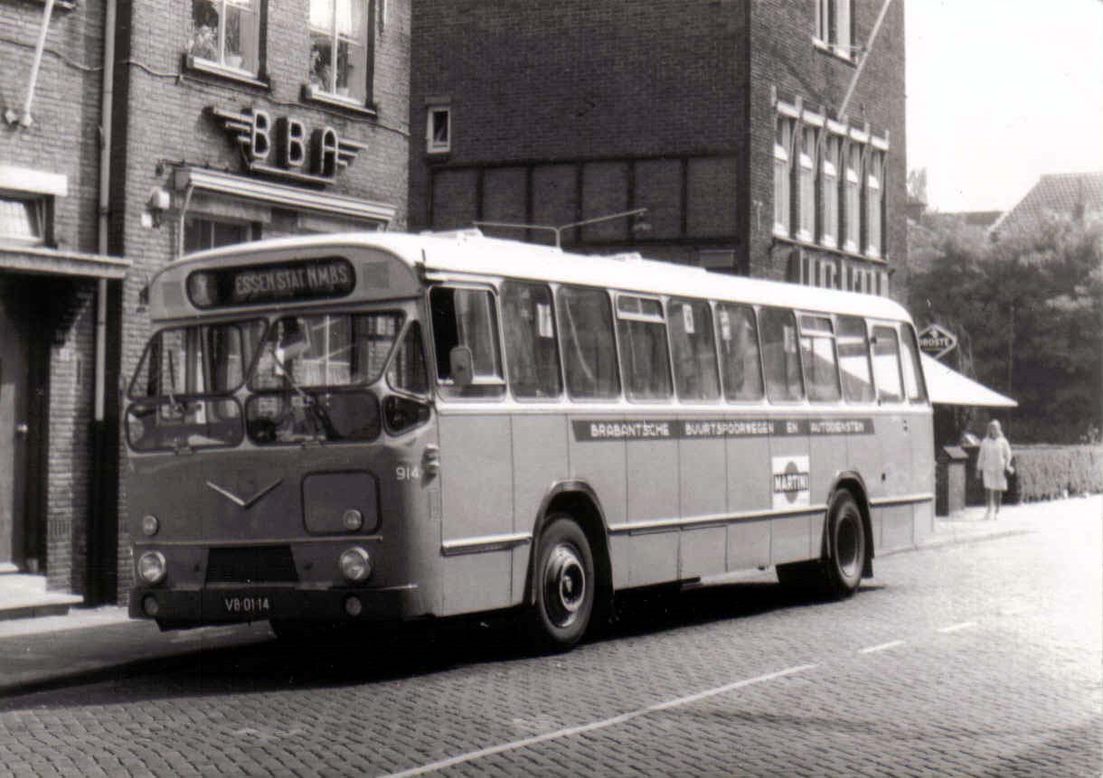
[348, 428]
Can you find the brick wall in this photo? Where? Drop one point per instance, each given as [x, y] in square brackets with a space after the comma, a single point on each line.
[164, 123]
[784, 58]
[63, 139]
[598, 99]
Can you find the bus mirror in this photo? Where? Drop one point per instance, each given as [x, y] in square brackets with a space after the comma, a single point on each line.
[461, 364]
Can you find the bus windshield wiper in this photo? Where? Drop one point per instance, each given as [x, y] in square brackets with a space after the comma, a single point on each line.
[310, 401]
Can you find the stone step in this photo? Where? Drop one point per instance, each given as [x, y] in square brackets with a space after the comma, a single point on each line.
[24, 596]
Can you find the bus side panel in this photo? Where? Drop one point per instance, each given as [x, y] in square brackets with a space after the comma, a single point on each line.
[789, 535]
[653, 494]
[476, 474]
[826, 454]
[921, 427]
[703, 492]
[863, 457]
[539, 460]
[601, 464]
[748, 490]
[896, 467]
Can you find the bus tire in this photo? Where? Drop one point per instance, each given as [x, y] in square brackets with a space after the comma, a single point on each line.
[846, 546]
[564, 585]
[838, 572]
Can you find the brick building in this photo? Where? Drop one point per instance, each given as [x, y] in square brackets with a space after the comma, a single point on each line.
[230, 120]
[720, 117]
[52, 270]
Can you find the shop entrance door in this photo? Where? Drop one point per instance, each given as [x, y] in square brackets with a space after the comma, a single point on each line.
[14, 430]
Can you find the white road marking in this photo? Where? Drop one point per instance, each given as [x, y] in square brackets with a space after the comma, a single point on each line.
[595, 725]
[881, 647]
[956, 627]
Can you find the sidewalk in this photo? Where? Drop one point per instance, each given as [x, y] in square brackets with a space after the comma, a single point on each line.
[95, 645]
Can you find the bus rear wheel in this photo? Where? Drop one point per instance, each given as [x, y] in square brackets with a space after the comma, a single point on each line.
[838, 573]
[563, 581]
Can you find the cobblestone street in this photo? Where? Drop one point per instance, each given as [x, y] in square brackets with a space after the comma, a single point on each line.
[978, 658]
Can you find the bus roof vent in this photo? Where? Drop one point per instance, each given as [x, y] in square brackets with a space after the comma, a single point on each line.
[627, 256]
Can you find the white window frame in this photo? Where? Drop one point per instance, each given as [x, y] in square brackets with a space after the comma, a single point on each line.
[783, 174]
[432, 144]
[330, 92]
[852, 199]
[829, 191]
[222, 60]
[833, 27]
[875, 194]
[806, 184]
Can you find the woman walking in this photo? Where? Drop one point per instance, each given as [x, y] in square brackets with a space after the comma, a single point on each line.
[993, 467]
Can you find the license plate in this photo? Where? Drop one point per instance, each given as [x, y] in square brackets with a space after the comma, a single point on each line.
[246, 605]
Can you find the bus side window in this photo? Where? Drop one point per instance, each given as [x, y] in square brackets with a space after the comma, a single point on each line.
[853, 346]
[691, 342]
[532, 355]
[466, 317]
[644, 354]
[913, 370]
[781, 355]
[407, 370]
[739, 352]
[886, 365]
[817, 350]
[589, 351]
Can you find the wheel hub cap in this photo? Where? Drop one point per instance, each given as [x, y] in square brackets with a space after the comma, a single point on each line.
[564, 585]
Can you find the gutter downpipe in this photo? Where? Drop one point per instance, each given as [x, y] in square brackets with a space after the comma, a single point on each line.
[100, 438]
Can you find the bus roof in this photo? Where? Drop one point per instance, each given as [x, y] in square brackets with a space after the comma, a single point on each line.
[469, 253]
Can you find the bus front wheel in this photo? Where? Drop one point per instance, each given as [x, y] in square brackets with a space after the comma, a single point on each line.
[563, 579]
[837, 574]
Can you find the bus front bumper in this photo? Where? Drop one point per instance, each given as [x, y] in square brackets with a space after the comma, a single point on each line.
[239, 604]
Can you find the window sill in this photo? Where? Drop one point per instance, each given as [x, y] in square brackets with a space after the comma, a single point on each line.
[827, 48]
[352, 105]
[807, 244]
[206, 67]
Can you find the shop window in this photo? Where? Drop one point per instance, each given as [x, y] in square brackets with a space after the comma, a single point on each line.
[226, 33]
[202, 234]
[23, 219]
[438, 132]
[340, 50]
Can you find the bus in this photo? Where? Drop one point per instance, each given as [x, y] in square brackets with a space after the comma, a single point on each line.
[348, 429]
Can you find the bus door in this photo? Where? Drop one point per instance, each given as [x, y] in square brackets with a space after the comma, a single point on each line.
[894, 441]
[476, 466]
[790, 465]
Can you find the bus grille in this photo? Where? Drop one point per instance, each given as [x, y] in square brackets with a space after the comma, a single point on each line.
[262, 564]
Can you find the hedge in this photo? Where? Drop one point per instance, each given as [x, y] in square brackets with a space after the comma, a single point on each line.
[1048, 472]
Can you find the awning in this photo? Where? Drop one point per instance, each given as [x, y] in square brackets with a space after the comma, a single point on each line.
[949, 387]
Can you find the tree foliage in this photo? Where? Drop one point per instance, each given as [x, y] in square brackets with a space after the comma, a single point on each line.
[1028, 313]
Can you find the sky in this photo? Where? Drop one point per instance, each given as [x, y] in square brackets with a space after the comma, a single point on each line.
[1001, 92]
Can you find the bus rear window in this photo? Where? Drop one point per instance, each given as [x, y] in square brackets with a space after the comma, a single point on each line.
[886, 365]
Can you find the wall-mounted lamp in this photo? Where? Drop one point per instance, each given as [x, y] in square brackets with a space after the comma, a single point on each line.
[159, 201]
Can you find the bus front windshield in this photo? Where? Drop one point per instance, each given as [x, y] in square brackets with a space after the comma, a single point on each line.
[310, 377]
[302, 378]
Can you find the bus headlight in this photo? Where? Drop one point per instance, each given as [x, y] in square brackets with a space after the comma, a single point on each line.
[151, 567]
[355, 564]
[150, 525]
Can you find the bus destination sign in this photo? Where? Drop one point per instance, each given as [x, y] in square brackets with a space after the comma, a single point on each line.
[284, 282]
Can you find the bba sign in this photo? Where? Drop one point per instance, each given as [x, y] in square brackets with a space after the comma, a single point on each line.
[283, 147]
[937, 341]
